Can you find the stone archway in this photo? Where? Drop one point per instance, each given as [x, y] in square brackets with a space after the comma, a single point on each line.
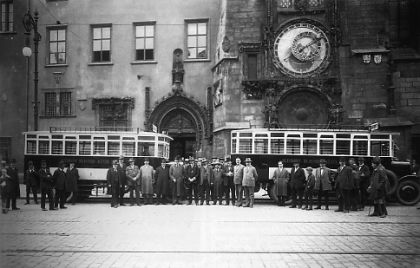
[185, 120]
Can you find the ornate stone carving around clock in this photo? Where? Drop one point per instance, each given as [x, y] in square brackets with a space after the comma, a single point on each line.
[301, 49]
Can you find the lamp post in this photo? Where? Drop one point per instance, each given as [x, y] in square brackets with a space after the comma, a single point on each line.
[31, 23]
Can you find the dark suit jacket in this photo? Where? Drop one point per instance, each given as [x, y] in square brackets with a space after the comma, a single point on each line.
[228, 180]
[14, 181]
[191, 172]
[46, 179]
[31, 178]
[344, 179]
[59, 178]
[113, 177]
[72, 176]
[297, 178]
[122, 175]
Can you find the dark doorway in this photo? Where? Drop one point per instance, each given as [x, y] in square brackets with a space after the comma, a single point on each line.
[180, 125]
[415, 147]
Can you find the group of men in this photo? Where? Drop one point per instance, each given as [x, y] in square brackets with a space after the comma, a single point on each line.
[354, 185]
[59, 187]
[200, 180]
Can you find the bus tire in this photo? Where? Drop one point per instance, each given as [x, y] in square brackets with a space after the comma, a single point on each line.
[408, 192]
[393, 181]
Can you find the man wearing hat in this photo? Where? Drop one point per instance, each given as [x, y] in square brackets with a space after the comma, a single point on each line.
[309, 188]
[297, 184]
[281, 178]
[72, 176]
[206, 178]
[59, 178]
[191, 174]
[46, 185]
[344, 184]
[31, 180]
[322, 183]
[14, 192]
[378, 188]
[114, 182]
[132, 174]
[147, 174]
[228, 185]
[248, 182]
[238, 175]
[364, 174]
[123, 179]
[176, 173]
[162, 182]
[217, 182]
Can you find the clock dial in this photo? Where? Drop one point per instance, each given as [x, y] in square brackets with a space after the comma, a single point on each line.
[301, 49]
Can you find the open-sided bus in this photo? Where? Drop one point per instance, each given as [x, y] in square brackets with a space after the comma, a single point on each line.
[93, 151]
[308, 146]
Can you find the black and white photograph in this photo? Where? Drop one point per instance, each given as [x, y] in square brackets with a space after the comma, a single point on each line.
[209, 133]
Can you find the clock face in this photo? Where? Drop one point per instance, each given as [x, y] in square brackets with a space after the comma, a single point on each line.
[301, 49]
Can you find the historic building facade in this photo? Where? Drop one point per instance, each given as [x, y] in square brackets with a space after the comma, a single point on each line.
[198, 69]
[311, 63]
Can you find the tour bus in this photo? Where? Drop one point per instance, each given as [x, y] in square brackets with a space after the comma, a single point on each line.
[92, 151]
[308, 146]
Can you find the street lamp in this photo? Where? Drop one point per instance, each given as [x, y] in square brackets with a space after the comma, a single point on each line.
[31, 23]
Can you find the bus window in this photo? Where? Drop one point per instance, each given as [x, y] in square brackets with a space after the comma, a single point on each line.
[293, 146]
[261, 146]
[57, 147]
[309, 146]
[343, 147]
[113, 148]
[146, 149]
[31, 147]
[277, 146]
[128, 148]
[99, 148]
[71, 147]
[360, 147]
[245, 146]
[85, 148]
[379, 148]
[147, 138]
[43, 147]
[234, 142]
[160, 150]
[326, 147]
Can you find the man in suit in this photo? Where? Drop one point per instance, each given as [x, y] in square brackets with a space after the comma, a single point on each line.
[280, 178]
[59, 178]
[72, 176]
[206, 178]
[191, 174]
[176, 174]
[377, 188]
[309, 188]
[228, 185]
[31, 180]
[238, 175]
[162, 182]
[114, 182]
[147, 173]
[132, 174]
[46, 185]
[248, 182]
[13, 185]
[322, 183]
[297, 184]
[123, 179]
[344, 184]
[364, 174]
[217, 182]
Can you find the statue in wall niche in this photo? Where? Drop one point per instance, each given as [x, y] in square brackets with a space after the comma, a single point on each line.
[178, 69]
[270, 109]
[218, 93]
[226, 44]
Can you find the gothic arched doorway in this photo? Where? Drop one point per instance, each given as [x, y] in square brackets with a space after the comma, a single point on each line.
[186, 121]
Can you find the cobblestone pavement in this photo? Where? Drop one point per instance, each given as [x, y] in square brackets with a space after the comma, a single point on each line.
[96, 235]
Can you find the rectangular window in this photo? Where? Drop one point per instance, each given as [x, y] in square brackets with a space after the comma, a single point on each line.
[145, 42]
[128, 148]
[261, 146]
[57, 45]
[71, 147]
[57, 147]
[43, 147]
[245, 146]
[277, 146]
[58, 104]
[101, 43]
[293, 146]
[145, 148]
[6, 16]
[113, 148]
[6, 147]
[197, 40]
[85, 147]
[30, 148]
[309, 146]
[99, 148]
[343, 147]
[252, 66]
[114, 116]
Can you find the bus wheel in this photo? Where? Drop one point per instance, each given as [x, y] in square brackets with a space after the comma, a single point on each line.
[393, 181]
[408, 192]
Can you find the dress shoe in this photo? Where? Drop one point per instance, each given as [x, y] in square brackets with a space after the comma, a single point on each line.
[318, 207]
[292, 206]
[326, 208]
[309, 208]
[346, 211]
[53, 208]
[338, 210]
[44, 209]
[63, 207]
[16, 208]
[27, 203]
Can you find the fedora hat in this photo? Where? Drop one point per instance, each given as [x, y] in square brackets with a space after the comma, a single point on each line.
[121, 157]
[131, 160]
[309, 169]
[216, 162]
[115, 162]
[248, 159]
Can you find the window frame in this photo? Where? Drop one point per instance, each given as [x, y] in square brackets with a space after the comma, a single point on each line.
[186, 35]
[9, 24]
[58, 104]
[48, 46]
[144, 24]
[101, 26]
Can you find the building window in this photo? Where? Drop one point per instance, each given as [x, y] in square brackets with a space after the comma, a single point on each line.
[58, 104]
[145, 42]
[6, 16]
[197, 41]
[101, 44]
[113, 113]
[5, 148]
[57, 46]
